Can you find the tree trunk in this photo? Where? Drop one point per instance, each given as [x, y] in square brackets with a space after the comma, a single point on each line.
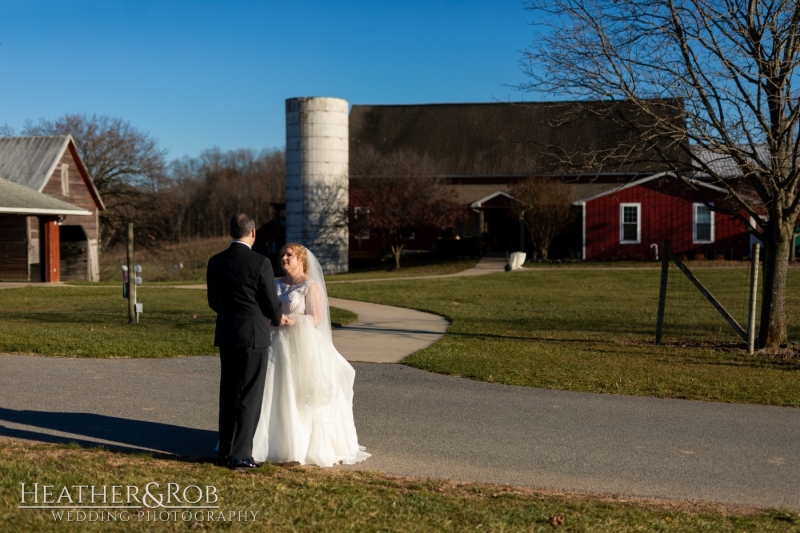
[772, 331]
[397, 250]
[544, 248]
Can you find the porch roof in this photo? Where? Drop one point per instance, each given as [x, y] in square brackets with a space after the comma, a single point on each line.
[16, 199]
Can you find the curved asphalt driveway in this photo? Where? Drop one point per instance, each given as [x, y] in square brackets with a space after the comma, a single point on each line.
[420, 424]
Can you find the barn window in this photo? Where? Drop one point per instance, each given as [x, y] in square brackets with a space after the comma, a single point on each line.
[630, 223]
[65, 179]
[703, 224]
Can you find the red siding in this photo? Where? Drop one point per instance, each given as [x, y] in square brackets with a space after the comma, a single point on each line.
[666, 213]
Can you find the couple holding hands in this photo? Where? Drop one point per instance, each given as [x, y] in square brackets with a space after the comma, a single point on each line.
[286, 394]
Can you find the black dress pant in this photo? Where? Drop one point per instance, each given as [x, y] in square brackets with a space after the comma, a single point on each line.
[241, 392]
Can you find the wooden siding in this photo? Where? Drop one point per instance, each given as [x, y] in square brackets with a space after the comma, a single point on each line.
[79, 195]
[13, 248]
[75, 254]
[666, 212]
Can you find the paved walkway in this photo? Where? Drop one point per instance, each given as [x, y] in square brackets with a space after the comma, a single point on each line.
[487, 265]
[384, 334]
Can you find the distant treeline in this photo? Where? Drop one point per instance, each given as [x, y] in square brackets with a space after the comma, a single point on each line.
[167, 202]
[205, 191]
[194, 197]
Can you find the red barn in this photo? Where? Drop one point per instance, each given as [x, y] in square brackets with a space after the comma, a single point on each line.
[624, 222]
[483, 149]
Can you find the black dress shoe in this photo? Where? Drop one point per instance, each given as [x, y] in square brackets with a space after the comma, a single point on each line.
[241, 464]
[221, 461]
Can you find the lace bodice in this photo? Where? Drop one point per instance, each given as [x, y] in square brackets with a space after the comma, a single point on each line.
[293, 297]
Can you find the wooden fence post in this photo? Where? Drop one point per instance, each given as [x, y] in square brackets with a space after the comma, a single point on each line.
[131, 277]
[751, 319]
[662, 292]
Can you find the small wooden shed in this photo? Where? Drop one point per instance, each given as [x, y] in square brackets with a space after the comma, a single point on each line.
[48, 212]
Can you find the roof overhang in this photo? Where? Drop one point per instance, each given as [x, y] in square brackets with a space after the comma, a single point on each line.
[478, 204]
[655, 176]
[16, 199]
[35, 212]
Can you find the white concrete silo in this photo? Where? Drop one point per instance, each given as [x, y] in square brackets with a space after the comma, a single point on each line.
[317, 155]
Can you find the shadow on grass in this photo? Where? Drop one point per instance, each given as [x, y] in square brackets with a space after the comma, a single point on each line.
[176, 318]
[119, 434]
[529, 338]
[787, 366]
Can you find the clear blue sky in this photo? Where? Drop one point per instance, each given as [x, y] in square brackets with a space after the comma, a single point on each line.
[199, 74]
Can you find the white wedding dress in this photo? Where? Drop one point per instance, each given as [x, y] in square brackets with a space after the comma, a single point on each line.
[307, 412]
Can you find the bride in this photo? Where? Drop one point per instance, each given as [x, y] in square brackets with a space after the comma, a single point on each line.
[307, 412]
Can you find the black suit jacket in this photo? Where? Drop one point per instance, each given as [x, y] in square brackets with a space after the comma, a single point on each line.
[241, 289]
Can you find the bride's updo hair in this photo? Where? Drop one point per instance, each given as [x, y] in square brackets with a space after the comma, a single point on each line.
[300, 251]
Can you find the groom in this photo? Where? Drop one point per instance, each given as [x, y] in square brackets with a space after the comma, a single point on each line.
[241, 289]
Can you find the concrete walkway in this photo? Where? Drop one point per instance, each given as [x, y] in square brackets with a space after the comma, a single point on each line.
[384, 334]
[487, 265]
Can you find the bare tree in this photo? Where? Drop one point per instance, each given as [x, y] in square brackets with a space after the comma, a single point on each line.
[545, 205]
[113, 150]
[403, 194]
[733, 63]
[126, 165]
[212, 186]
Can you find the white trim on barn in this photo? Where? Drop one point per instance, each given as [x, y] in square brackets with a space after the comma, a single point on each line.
[56, 161]
[695, 240]
[34, 211]
[622, 239]
[583, 231]
[477, 204]
[645, 180]
[623, 187]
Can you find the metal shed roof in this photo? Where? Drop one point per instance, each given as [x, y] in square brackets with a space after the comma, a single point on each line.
[30, 161]
[16, 199]
[723, 165]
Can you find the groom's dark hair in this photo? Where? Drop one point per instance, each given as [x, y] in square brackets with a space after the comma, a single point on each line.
[241, 225]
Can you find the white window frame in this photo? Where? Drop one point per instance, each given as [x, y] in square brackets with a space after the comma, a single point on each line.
[64, 179]
[638, 207]
[695, 240]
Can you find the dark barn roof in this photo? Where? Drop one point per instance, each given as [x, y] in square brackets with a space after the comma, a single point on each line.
[518, 138]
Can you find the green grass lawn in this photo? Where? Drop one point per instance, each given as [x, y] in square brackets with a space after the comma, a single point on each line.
[588, 330]
[593, 264]
[314, 499]
[93, 322]
[581, 330]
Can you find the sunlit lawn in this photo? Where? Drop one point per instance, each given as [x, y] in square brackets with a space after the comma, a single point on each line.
[589, 330]
[314, 499]
[582, 330]
[92, 321]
